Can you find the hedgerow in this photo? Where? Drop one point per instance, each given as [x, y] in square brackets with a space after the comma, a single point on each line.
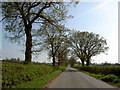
[102, 69]
[16, 73]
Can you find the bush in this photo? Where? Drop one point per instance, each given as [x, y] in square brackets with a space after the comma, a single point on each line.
[102, 69]
[117, 80]
[109, 78]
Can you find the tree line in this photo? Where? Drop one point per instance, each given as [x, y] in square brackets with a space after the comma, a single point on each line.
[41, 26]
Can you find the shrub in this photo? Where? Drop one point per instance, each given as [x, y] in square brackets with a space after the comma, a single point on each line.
[102, 69]
[117, 80]
[109, 78]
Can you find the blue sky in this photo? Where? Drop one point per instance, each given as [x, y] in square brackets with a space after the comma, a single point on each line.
[0, 43]
[98, 16]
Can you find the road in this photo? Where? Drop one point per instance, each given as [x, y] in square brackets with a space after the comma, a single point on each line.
[71, 78]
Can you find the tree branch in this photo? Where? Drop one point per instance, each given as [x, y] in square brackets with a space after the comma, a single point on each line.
[47, 5]
[2, 19]
[21, 12]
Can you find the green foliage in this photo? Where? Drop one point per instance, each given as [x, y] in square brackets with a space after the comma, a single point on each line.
[39, 82]
[14, 73]
[55, 41]
[15, 20]
[116, 80]
[22, 21]
[110, 74]
[102, 70]
[110, 78]
[85, 45]
[98, 76]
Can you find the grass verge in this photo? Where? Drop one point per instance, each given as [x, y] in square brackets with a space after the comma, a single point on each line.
[39, 82]
[18, 75]
[109, 74]
[106, 78]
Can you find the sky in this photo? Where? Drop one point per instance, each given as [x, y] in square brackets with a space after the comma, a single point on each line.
[0, 36]
[98, 16]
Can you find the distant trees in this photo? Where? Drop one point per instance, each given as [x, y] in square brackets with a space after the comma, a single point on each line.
[15, 60]
[72, 61]
[54, 40]
[62, 53]
[86, 45]
[23, 19]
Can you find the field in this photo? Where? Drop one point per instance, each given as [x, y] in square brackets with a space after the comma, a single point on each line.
[18, 75]
[109, 74]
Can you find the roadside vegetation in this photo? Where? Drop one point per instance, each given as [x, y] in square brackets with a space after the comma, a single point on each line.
[109, 74]
[34, 75]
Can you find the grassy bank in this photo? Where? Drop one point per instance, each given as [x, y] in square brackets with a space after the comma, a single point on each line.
[109, 74]
[18, 75]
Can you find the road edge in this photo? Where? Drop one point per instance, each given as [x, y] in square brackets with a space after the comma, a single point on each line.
[50, 81]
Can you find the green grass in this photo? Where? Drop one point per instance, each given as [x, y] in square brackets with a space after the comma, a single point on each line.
[110, 78]
[97, 76]
[18, 75]
[39, 82]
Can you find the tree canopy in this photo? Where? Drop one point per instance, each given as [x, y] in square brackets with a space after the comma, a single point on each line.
[42, 24]
[54, 40]
[86, 45]
[23, 19]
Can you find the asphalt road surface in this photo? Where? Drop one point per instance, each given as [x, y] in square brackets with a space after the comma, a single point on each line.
[71, 78]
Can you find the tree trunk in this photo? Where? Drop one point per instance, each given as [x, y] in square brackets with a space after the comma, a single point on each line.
[82, 62]
[53, 60]
[53, 55]
[28, 50]
[88, 62]
[59, 62]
